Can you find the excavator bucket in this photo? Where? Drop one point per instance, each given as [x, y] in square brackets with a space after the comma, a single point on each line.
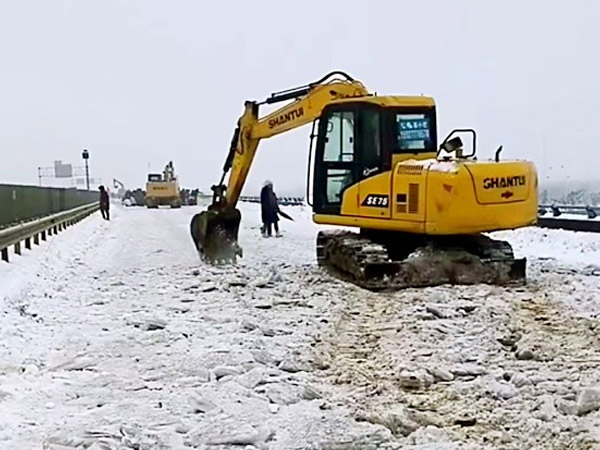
[215, 233]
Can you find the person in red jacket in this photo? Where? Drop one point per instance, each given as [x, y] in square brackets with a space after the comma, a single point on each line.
[104, 203]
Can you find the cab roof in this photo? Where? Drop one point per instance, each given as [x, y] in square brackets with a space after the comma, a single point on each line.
[391, 100]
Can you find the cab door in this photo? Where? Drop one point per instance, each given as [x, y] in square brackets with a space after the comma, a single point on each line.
[336, 164]
[374, 161]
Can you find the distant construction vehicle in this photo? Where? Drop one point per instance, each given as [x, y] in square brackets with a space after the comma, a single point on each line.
[136, 197]
[189, 197]
[163, 189]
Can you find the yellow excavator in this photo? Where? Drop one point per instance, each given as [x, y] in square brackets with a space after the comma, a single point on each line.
[420, 209]
[163, 189]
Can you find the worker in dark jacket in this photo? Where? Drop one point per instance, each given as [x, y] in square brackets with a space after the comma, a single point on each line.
[269, 210]
[104, 203]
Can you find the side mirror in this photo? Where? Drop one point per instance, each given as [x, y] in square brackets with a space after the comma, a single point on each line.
[456, 145]
[452, 145]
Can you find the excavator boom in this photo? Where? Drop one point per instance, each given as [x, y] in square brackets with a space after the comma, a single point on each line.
[215, 231]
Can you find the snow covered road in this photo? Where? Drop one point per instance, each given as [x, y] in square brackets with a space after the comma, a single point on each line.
[114, 336]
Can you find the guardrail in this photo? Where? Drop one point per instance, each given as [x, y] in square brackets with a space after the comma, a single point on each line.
[549, 216]
[41, 228]
[284, 201]
[21, 203]
[585, 210]
[592, 226]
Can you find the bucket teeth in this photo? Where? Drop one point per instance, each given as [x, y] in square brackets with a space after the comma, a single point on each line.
[215, 234]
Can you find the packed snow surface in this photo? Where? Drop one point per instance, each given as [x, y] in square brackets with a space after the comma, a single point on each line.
[113, 335]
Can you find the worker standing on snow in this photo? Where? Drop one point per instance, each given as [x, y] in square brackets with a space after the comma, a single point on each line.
[269, 210]
[104, 203]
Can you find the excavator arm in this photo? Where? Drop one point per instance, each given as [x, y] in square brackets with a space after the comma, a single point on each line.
[215, 231]
[308, 104]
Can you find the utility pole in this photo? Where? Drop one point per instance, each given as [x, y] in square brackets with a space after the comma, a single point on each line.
[85, 155]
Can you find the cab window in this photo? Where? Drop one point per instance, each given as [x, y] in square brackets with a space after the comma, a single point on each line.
[414, 132]
[339, 140]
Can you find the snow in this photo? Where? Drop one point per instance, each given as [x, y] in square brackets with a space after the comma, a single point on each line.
[114, 336]
[435, 165]
[572, 247]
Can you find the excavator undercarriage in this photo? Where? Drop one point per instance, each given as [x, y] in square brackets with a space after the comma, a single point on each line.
[389, 261]
[380, 261]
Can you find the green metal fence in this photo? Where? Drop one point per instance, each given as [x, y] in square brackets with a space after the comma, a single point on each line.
[21, 203]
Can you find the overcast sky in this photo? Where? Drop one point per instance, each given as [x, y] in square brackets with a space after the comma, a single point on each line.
[139, 83]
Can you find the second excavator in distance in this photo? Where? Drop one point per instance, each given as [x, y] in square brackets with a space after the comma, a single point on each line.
[421, 210]
[163, 189]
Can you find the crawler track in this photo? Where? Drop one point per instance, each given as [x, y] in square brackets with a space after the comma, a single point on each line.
[416, 262]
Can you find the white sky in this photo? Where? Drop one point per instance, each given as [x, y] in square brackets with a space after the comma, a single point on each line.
[144, 82]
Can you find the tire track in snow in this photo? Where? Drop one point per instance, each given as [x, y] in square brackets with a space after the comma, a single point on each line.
[402, 366]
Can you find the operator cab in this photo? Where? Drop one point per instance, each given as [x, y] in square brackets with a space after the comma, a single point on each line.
[357, 140]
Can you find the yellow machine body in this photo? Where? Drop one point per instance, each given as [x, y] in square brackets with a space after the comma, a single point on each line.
[442, 198]
[423, 194]
[163, 189]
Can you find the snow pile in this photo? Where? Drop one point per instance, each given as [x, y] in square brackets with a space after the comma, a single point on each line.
[566, 247]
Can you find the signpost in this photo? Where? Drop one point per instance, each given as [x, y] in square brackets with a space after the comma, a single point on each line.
[86, 156]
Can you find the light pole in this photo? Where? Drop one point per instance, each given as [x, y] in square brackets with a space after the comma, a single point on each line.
[85, 155]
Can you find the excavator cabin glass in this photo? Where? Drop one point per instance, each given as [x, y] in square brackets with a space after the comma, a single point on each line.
[357, 140]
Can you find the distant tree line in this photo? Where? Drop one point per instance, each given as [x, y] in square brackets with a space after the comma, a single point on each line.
[572, 197]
